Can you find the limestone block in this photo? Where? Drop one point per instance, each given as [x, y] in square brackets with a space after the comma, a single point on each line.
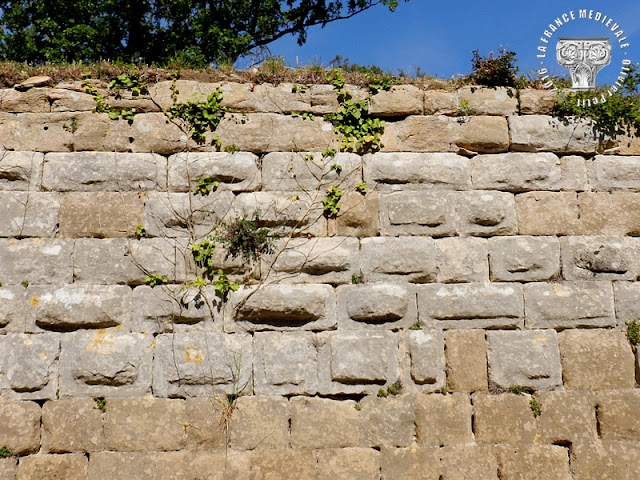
[580, 350]
[398, 101]
[417, 213]
[72, 466]
[237, 172]
[29, 365]
[260, 423]
[121, 261]
[8, 467]
[471, 305]
[359, 216]
[627, 300]
[567, 417]
[20, 171]
[29, 214]
[281, 307]
[486, 213]
[310, 171]
[482, 134]
[14, 307]
[536, 102]
[524, 258]
[529, 359]
[520, 172]
[199, 361]
[20, 431]
[149, 132]
[49, 262]
[314, 260]
[438, 102]
[443, 420]
[617, 213]
[72, 425]
[569, 305]
[466, 354]
[141, 465]
[284, 465]
[505, 418]
[548, 213]
[542, 133]
[100, 214]
[66, 100]
[532, 462]
[284, 98]
[349, 464]
[426, 351]
[386, 422]
[206, 423]
[34, 100]
[461, 260]
[411, 259]
[219, 465]
[409, 171]
[467, 462]
[606, 460]
[72, 307]
[106, 363]
[599, 258]
[410, 463]
[488, 100]
[37, 132]
[104, 172]
[323, 423]
[383, 305]
[145, 424]
[614, 173]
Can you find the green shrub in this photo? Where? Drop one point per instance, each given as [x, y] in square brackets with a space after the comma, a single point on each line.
[493, 71]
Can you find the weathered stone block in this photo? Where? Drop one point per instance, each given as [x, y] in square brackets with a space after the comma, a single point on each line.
[149, 424]
[72, 466]
[440, 102]
[206, 418]
[529, 359]
[20, 171]
[627, 300]
[37, 132]
[410, 463]
[608, 349]
[505, 418]
[488, 100]
[200, 361]
[8, 467]
[20, 431]
[531, 462]
[548, 213]
[281, 307]
[29, 214]
[104, 172]
[237, 172]
[486, 213]
[426, 351]
[618, 414]
[388, 422]
[349, 464]
[523, 258]
[34, 100]
[606, 460]
[359, 216]
[466, 354]
[100, 214]
[49, 261]
[471, 305]
[443, 419]
[406, 171]
[284, 465]
[461, 260]
[616, 213]
[73, 425]
[467, 462]
[384, 305]
[285, 363]
[567, 417]
[481, 134]
[260, 423]
[29, 365]
[542, 133]
[520, 172]
[411, 259]
[569, 305]
[310, 420]
[398, 101]
[14, 308]
[67, 100]
[614, 172]
[599, 258]
[417, 213]
[537, 102]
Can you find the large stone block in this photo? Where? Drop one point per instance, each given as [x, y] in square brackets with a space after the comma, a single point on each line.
[429, 171]
[605, 460]
[20, 171]
[505, 418]
[66, 99]
[37, 132]
[387, 422]
[29, 365]
[281, 307]
[532, 462]
[29, 214]
[104, 172]
[411, 259]
[520, 172]
[548, 213]
[566, 417]
[285, 363]
[323, 423]
[488, 100]
[614, 173]
[462, 260]
[349, 464]
[417, 213]
[596, 360]
[384, 305]
[8, 467]
[237, 172]
[441, 102]
[537, 102]
[599, 258]
[207, 419]
[72, 425]
[485, 214]
[398, 101]
[201, 361]
[359, 216]
[616, 213]
[284, 465]
[33, 100]
[20, 427]
[524, 258]
[72, 466]
[260, 423]
[443, 420]
[627, 300]
[15, 312]
[157, 465]
[49, 262]
[426, 351]
[542, 133]
[471, 305]
[105, 362]
[410, 463]
[529, 359]
[466, 354]
[469, 462]
[569, 305]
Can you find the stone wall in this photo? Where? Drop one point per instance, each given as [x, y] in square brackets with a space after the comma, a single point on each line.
[494, 251]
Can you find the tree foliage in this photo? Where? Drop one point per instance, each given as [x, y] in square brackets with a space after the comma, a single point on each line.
[195, 32]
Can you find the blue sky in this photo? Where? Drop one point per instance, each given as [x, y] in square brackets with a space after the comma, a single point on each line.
[438, 36]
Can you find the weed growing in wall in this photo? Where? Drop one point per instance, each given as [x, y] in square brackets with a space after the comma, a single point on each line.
[244, 237]
[5, 452]
[199, 117]
[498, 71]
[633, 332]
